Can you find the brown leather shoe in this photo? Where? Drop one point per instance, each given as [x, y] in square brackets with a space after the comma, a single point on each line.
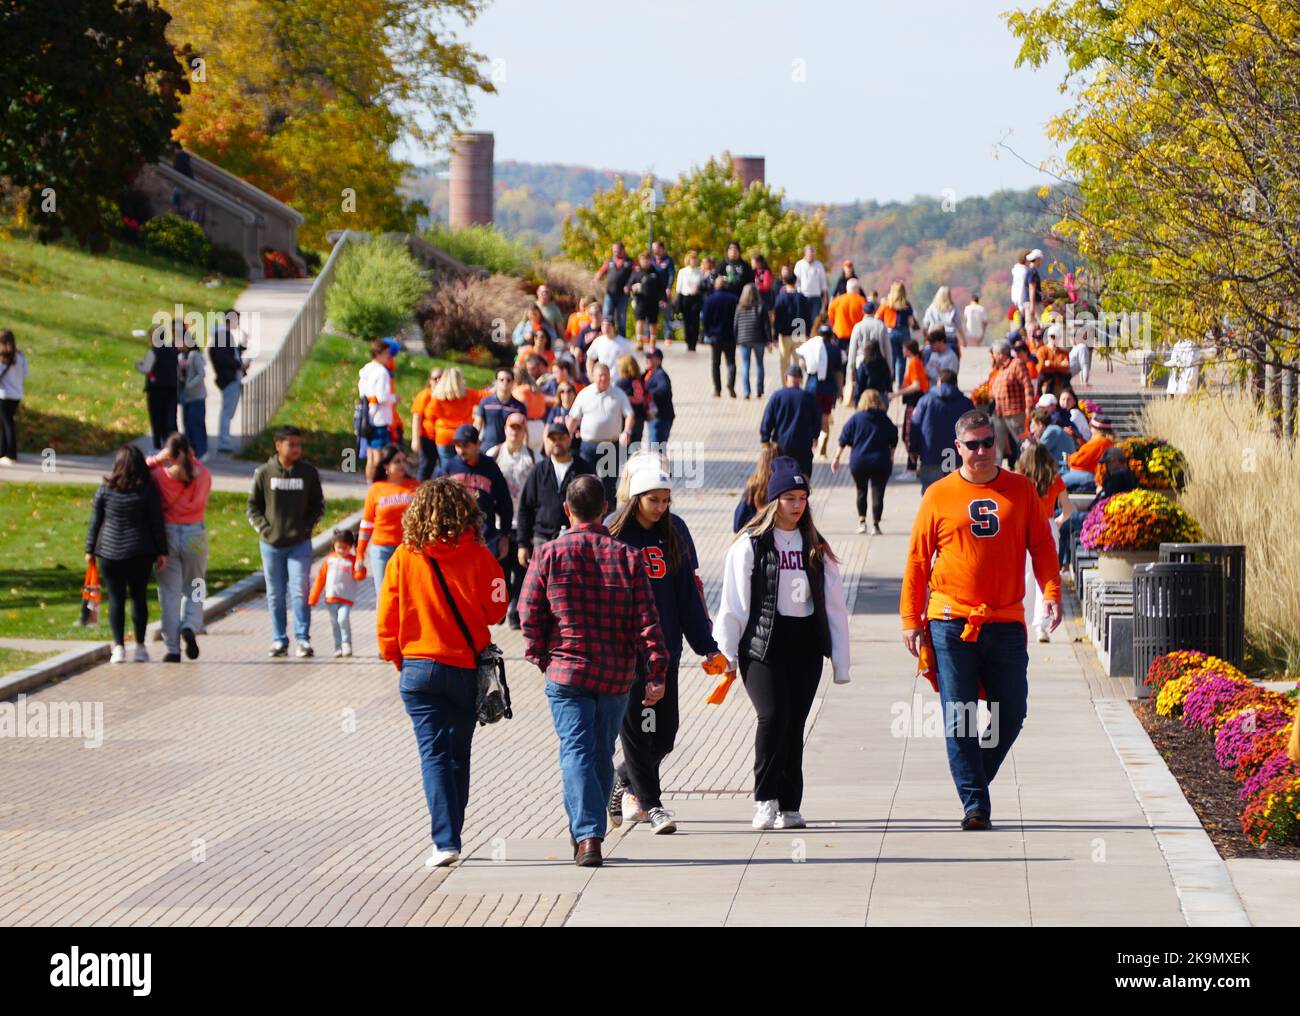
[588, 855]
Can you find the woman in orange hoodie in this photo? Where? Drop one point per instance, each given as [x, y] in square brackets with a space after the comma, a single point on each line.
[420, 633]
[381, 517]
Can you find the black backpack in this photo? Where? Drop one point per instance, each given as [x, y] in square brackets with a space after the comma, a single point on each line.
[361, 420]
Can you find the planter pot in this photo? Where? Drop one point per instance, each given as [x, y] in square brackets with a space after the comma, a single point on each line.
[1118, 565]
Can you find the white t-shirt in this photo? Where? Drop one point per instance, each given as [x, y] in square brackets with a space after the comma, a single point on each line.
[374, 382]
[1018, 272]
[977, 319]
[811, 278]
[601, 414]
[607, 351]
[561, 471]
[515, 468]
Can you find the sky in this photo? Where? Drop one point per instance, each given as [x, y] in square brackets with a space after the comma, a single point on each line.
[880, 99]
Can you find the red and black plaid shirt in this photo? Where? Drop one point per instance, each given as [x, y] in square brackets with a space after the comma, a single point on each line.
[1012, 390]
[588, 613]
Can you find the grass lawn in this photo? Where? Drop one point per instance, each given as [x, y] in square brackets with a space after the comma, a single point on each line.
[20, 659]
[73, 313]
[42, 562]
[322, 397]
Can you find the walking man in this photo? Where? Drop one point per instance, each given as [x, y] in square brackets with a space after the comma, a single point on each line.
[285, 504]
[792, 419]
[589, 619]
[603, 418]
[968, 546]
[1013, 394]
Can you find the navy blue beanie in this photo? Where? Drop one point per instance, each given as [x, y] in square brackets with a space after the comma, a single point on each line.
[786, 476]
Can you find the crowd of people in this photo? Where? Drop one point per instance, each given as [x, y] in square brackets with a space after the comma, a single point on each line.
[545, 502]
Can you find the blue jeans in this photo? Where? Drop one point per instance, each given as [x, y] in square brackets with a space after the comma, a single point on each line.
[587, 724]
[747, 350]
[657, 431]
[287, 569]
[1079, 481]
[1070, 529]
[615, 308]
[440, 700]
[341, 623]
[229, 403]
[195, 416]
[896, 340]
[379, 555]
[1000, 661]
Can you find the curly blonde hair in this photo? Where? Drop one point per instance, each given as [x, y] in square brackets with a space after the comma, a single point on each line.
[442, 509]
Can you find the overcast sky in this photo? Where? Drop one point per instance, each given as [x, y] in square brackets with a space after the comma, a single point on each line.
[881, 99]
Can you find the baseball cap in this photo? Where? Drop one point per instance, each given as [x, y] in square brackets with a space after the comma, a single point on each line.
[1034, 255]
[557, 426]
[1047, 399]
[465, 432]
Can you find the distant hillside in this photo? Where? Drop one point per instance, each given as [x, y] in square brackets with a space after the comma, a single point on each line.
[970, 247]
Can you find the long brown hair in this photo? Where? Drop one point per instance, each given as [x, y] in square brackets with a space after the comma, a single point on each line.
[1036, 463]
[665, 528]
[8, 347]
[812, 538]
[129, 470]
[178, 450]
[756, 485]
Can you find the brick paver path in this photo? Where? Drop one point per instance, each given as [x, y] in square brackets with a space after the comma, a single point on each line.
[238, 790]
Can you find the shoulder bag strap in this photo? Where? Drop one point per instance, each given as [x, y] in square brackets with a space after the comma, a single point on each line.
[460, 621]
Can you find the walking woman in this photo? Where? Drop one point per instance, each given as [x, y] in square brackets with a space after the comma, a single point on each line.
[754, 496]
[916, 382]
[668, 552]
[942, 314]
[689, 287]
[632, 384]
[897, 314]
[440, 580]
[516, 461]
[194, 393]
[1036, 462]
[783, 611]
[872, 437]
[184, 484]
[126, 534]
[13, 375]
[381, 517]
[753, 335]
[872, 372]
[436, 413]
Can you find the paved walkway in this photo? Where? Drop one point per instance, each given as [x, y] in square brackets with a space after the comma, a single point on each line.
[239, 790]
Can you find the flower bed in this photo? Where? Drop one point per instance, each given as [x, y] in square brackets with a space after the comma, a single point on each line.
[1136, 521]
[1250, 727]
[1156, 463]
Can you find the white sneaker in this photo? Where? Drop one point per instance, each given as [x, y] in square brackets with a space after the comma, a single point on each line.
[304, 650]
[5, 460]
[442, 858]
[118, 655]
[789, 820]
[764, 815]
[338, 653]
[661, 821]
[347, 649]
[862, 525]
[141, 654]
[1042, 633]
[632, 812]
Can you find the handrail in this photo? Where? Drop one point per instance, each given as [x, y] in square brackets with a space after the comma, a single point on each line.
[264, 391]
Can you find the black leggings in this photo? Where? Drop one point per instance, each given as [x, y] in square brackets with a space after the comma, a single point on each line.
[127, 577]
[691, 318]
[720, 350]
[515, 573]
[162, 414]
[8, 428]
[782, 688]
[872, 481]
[647, 735]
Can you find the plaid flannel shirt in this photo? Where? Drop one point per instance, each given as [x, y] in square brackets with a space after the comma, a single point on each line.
[1012, 390]
[588, 614]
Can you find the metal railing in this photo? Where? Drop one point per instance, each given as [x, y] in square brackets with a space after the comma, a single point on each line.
[264, 391]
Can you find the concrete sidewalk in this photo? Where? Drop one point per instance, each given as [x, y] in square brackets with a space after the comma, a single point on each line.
[239, 790]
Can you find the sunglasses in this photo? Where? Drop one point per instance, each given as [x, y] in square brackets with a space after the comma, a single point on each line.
[974, 446]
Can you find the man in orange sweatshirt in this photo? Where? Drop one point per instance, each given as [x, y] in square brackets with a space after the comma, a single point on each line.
[968, 546]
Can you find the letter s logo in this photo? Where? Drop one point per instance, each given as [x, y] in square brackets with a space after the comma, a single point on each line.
[654, 562]
[984, 517]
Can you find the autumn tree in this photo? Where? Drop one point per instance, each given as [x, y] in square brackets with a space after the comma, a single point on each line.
[306, 98]
[90, 91]
[1182, 139]
[702, 210]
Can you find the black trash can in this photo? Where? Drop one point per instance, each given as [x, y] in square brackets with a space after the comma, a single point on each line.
[1231, 559]
[1176, 605]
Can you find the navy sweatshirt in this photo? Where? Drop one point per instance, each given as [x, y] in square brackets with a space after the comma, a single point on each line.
[791, 419]
[488, 483]
[681, 607]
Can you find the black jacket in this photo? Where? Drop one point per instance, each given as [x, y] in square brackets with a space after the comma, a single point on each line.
[719, 316]
[755, 640]
[126, 523]
[541, 505]
[225, 354]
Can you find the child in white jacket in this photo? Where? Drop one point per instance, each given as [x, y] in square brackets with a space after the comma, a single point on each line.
[335, 580]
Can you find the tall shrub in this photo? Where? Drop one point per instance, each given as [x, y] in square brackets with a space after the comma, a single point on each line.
[376, 287]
